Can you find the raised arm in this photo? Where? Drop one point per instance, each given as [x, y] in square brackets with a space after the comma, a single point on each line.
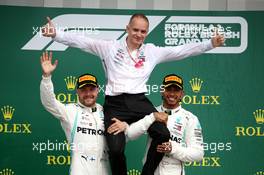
[173, 53]
[94, 46]
[47, 95]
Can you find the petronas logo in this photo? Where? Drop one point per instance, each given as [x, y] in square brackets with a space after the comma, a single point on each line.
[7, 172]
[133, 172]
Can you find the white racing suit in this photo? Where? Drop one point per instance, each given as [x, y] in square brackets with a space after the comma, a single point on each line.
[84, 129]
[186, 140]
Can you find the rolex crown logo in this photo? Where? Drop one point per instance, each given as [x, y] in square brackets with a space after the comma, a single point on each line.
[259, 116]
[133, 172]
[196, 84]
[259, 173]
[7, 172]
[8, 112]
[70, 82]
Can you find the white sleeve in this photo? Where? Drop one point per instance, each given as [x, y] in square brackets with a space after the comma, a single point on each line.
[193, 151]
[183, 51]
[138, 128]
[49, 101]
[93, 46]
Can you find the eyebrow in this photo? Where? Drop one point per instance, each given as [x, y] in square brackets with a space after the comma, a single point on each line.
[139, 30]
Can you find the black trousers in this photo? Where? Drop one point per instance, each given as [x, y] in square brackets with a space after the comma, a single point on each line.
[131, 108]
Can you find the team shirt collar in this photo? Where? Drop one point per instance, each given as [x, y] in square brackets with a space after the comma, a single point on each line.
[170, 111]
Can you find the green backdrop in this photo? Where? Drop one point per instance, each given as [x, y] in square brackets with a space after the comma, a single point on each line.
[223, 88]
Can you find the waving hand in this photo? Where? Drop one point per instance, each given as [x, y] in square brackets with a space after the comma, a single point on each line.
[46, 63]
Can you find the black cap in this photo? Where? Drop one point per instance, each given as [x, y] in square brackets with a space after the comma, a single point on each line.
[86, 79]
[173, 79]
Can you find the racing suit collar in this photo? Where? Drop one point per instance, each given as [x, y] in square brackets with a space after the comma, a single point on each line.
[90, 109]
[173, 111]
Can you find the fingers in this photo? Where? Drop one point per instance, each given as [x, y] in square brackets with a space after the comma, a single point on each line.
[40, 59]
[117, 127]
[216, 31]
[114, 129]
[115, 120]
[165, 117]
[217, 34]
[218, 40]
[160, 149]
[43, 56]
[221, 39]
[164, 147]
[47, 56]
[46, 63]
[55, 63]
[50, 25]
[50, 56]
[161, 117]
[48, 30]
[45, 29]
[49, 21]
[117, 132]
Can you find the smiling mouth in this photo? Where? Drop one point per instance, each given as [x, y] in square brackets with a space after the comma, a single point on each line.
[171, 99]
[87, 98]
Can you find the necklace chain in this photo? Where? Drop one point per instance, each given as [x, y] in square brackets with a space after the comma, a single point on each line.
[130, 55]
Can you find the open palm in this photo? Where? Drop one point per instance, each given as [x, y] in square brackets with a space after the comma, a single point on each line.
[46, 63]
